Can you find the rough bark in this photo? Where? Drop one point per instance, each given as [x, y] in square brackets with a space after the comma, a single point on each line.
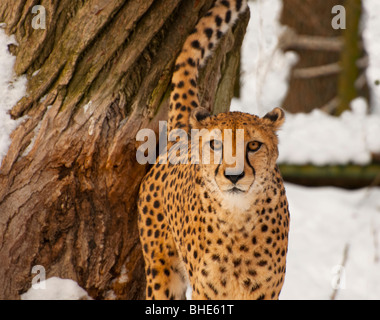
[69, 182]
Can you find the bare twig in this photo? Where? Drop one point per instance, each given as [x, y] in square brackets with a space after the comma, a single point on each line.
[314, 72]
[343, 264]
[326, 70]
[330, 106]
[375, 243]
[290, 40]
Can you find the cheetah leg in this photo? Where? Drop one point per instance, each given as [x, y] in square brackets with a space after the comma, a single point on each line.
[164, 269]
[165, 272]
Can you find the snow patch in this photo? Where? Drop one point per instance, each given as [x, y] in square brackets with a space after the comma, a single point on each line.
[323, 222]
[87, 106]
[265, 69]
[123, 278]
[12, 89]
[56, 289]
[321, 139]
[36, 72]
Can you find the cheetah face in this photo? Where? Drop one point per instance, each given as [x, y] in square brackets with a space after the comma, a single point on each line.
[240, 149]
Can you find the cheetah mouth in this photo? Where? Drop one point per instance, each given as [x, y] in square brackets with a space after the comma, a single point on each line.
[235, 190]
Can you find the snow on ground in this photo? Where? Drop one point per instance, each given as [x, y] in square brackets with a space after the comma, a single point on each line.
[11, 91]
[324, 221]
[56, 289]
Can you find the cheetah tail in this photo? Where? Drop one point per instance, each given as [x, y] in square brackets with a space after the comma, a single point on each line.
[197, 48]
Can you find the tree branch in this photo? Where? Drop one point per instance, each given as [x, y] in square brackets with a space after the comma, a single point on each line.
[314, 72]
[326, 70]
[290, 40]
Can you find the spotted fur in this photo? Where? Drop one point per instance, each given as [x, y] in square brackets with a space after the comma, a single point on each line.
[225, 235]
[197, 48]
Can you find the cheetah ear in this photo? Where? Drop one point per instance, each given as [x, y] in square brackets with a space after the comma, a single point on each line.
[275, 118]
[197, 116]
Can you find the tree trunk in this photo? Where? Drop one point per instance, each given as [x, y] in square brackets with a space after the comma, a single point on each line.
[318, 80]
[69, 182]
[347, 88]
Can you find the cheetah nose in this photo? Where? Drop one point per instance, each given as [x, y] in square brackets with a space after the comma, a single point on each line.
[234, 178]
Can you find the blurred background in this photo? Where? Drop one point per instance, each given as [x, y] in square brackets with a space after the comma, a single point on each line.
[320, 61]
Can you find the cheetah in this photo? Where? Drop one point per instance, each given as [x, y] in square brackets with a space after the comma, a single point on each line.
[223, 232]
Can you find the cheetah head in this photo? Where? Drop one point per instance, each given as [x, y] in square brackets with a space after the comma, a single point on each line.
[238, 151]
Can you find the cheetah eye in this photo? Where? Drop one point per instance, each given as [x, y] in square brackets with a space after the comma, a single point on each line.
[254, 146]
[216, 145]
